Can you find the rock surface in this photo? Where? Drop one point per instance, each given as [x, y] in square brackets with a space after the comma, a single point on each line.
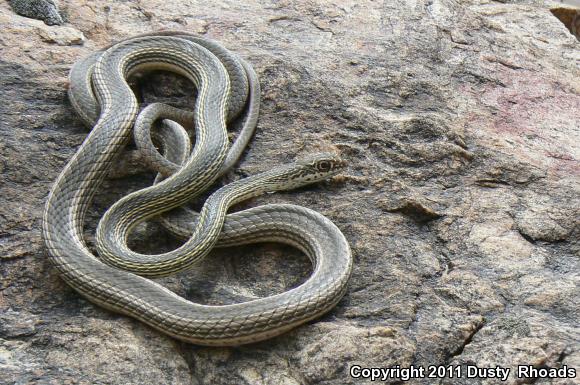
[460, 120]
[45, 10]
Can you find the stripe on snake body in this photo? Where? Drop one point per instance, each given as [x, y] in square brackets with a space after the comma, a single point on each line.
[128, 293]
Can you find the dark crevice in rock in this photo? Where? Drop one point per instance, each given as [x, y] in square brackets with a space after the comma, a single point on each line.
[570, 17]
[491, 183]
[526, 236]
[467, 341]
[187, 352]
[543, 240]
[415, 210]
[565, 353]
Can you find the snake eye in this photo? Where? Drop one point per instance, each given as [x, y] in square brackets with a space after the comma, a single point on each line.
[323, 166]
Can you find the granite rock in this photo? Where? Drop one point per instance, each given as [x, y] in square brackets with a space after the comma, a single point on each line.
[460, 122]
[45, 10]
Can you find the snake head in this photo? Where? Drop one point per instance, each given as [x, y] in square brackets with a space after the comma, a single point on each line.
[326, 164]
[313, 168]
[304, 171]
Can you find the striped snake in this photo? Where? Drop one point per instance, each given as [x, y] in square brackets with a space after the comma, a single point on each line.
[117, 280]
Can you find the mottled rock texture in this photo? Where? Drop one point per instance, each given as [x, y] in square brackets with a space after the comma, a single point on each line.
[460, 120]
[45, 10]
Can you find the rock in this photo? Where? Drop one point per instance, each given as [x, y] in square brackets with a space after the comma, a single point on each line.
[461, 203]
[45, 10]
[61, 36]
[17, 324]
[570, 16]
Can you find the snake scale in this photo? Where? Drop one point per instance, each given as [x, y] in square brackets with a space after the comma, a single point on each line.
[117, 279]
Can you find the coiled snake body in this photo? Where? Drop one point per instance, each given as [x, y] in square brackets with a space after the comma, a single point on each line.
[128, 292]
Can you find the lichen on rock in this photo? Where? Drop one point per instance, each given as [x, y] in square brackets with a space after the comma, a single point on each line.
[45, 10]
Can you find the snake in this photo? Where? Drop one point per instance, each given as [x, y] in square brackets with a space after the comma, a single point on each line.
[118, 279]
